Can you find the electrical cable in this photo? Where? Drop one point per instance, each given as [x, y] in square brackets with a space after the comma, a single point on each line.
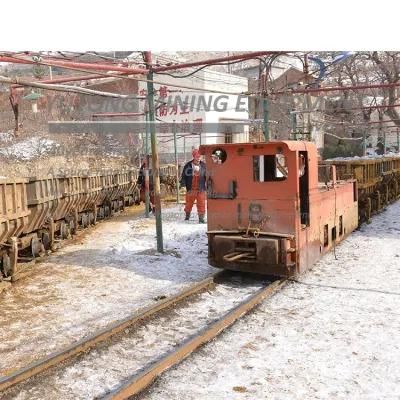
[107, 74]
[370, 290]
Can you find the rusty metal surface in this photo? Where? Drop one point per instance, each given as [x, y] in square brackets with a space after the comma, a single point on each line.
[142, 380]
[102, 335]
[378, 181]
[42, 199]
[37, 209]
[13, 208]
[276, 189]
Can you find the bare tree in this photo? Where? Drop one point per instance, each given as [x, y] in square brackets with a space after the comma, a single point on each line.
[388, 68]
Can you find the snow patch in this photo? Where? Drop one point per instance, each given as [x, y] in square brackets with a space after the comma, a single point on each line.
[28, 149]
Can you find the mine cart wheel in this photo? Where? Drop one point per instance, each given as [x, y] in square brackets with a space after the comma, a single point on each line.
[72, 226]
[91, 218]
[85, 220]
[100, 213]
[64, 230]
[107, 211]
[6, 265]
[36, 247]
[46, 240]
[136, 197]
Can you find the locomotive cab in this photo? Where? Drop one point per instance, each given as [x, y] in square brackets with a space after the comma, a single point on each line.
[264, 207]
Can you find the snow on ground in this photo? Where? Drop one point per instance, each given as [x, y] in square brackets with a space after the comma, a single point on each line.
[6, 137]
[366, 157]
[95, 373]
[335, 335]
[30, 148]
[109, 274]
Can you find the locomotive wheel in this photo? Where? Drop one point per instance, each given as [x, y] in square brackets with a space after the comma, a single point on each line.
[6, 265]
[46, 240]
[36, 247]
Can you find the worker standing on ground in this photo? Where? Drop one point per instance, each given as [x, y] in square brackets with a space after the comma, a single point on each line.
[194, 179]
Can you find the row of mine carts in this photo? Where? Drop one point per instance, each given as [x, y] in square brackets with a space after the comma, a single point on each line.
[378, 181]
[38, 211]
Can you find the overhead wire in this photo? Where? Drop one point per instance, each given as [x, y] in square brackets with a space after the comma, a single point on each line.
[113, 75]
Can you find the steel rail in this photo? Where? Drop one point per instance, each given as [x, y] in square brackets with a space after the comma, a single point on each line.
[101, 335]
[146, 376]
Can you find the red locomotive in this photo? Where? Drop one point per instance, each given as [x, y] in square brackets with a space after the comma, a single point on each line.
[272, 209]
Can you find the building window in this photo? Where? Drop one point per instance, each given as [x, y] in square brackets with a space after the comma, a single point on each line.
[228, 134]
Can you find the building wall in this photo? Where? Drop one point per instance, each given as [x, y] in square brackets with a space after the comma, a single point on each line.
[192, 108]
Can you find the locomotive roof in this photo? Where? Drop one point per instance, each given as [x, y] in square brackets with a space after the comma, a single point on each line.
[293, 145]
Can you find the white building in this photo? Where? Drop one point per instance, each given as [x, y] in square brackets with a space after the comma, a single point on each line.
[204, 115]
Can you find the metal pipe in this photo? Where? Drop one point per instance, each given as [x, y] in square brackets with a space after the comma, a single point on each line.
[91, 66]
[68, 79]
[346, 109]
[217, 60]
[338, 88]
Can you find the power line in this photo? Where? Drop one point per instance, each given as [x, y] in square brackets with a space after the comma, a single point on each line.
[338, 88]
[107, 74]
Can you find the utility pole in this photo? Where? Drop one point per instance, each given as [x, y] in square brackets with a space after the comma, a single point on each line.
[266, 118]
[176, 164]
[384, 142]
[146, 170]
[154, 152]
[308, 96]
[293, 119]
[365, 143]
[398, 141]
[265, 104]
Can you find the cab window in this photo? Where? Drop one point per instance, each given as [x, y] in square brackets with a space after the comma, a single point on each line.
[267, 168]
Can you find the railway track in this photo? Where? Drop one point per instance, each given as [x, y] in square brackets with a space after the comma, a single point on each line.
[188, 320]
